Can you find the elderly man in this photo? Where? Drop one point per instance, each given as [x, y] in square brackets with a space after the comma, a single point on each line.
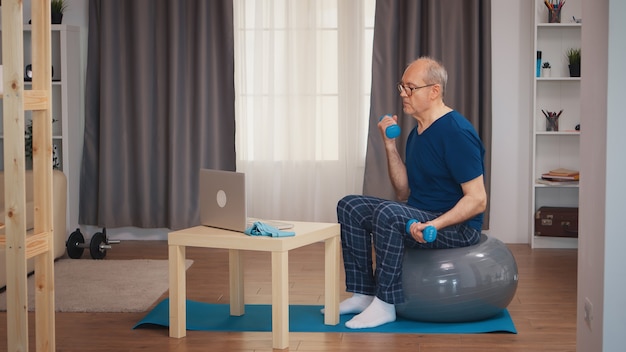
[440, 185]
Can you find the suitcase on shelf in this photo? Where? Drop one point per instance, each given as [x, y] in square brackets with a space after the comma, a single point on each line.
[556, 222]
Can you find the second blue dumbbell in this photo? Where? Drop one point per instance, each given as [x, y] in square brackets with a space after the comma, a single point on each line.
[429, 233]
[392, 131]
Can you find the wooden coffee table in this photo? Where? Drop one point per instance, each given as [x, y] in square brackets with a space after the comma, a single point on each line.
[208, 237]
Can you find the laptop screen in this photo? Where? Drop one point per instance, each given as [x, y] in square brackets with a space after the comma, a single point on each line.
[222, 199]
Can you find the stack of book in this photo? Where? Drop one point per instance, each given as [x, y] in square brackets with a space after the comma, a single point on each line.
[560, 175]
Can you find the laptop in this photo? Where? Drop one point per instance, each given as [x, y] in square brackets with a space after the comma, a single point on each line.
[222, 201]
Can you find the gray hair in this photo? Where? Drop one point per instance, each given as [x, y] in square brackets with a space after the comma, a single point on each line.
[435, 73]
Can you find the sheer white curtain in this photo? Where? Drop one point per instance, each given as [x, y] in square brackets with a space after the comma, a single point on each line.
[302, 81]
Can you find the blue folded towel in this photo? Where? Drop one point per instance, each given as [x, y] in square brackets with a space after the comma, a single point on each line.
[261, 229]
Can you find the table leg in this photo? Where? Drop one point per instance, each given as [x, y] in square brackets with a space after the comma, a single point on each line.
[331, 278]
[178, 293]
[235, 269]
[280, 299]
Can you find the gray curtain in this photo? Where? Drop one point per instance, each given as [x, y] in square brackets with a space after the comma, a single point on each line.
[160, 104]
[458, 33]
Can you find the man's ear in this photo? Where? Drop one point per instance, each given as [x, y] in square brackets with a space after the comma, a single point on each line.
[435, 91]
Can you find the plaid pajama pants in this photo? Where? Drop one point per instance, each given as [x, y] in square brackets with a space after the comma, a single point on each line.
[368, 220]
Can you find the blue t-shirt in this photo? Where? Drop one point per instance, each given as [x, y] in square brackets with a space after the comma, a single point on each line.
[447, 154]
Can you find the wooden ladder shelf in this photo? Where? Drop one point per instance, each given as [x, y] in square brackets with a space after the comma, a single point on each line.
[18, 246]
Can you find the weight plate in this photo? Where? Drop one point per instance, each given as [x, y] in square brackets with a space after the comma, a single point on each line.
[94, 246]
[72, 245]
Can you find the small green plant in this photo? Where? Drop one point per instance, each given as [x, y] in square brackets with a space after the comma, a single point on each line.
[28, 139]
[573, 56]
[58, 6]
[546, 65]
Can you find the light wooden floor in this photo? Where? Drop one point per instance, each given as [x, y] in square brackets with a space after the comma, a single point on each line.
[543, 309]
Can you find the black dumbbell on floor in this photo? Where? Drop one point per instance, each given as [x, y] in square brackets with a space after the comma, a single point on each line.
[98, 245]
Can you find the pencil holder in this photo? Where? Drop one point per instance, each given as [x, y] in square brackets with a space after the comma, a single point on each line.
[552, 124]
[552, 120]
[554, 16]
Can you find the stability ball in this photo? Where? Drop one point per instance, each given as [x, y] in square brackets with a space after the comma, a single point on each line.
[458, 284]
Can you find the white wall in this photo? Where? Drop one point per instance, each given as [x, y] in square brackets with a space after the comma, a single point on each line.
[593, 182]
[614, 309]
[602, 190]
[512, 60]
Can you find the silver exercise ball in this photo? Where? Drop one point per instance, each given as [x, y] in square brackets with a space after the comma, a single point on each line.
[458, 284]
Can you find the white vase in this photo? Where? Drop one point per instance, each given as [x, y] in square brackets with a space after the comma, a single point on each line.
[546, 72]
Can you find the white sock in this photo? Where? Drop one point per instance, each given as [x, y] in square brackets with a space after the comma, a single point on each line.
[355, 304]
[376, 314]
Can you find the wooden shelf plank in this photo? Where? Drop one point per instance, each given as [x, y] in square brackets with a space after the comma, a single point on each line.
[34, 99]
[36, 244]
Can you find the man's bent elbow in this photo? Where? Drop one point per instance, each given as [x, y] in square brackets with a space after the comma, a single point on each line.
[402, 198]
[482, 204]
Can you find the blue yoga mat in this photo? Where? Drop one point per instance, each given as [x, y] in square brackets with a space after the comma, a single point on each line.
[304, 318]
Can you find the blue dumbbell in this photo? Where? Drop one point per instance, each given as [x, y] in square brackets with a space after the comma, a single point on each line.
[392, 131]
[429, 233]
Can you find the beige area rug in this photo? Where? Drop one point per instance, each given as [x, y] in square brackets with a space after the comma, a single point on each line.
[85, 285]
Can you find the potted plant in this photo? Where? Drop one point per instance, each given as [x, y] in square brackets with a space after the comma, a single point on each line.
[57, 7]
[28, 147]
[546, 69]
[573, 57]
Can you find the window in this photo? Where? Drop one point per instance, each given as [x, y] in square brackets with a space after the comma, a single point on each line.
[301, 68]
[302, 85]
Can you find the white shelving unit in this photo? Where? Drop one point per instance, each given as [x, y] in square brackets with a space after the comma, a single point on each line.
[559, 91]
[67, 128]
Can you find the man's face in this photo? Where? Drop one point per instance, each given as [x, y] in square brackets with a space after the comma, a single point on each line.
[416, 94]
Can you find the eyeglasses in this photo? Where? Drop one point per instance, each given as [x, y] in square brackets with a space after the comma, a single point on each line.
[409, 90]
